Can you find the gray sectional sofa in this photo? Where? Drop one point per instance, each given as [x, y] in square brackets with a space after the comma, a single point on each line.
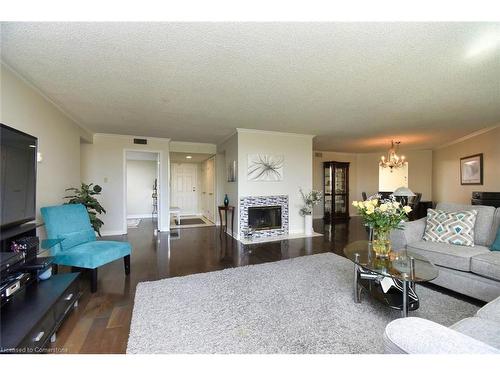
[473, 271]
[476, 335]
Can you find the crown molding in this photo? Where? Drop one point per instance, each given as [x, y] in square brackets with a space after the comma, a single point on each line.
[129, 136]
[193, 143]
[339, 152]
[468, 136]
[225, 139]
[258, 131]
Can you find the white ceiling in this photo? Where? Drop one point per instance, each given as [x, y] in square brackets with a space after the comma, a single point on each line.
[354, 85]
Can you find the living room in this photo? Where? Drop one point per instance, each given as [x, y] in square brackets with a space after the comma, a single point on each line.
[251, 188]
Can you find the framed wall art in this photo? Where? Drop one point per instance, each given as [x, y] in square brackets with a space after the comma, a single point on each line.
[471, 170]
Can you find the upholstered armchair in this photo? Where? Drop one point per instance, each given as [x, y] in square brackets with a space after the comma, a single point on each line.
[80, 247]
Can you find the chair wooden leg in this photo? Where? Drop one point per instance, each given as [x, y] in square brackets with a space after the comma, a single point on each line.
[93, 280]
[126, 263]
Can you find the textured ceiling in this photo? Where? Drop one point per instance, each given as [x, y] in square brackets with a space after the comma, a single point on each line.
[354, 85]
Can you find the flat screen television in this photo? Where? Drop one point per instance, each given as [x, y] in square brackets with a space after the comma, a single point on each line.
[17, 177]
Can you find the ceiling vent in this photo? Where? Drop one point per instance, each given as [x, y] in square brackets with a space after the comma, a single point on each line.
[140, 141]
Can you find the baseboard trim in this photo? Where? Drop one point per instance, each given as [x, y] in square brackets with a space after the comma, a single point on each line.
[139, 216]
[112, 233]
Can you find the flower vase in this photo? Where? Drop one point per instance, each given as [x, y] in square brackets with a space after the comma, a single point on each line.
[381, 242]
[308, 225]
[226, 200]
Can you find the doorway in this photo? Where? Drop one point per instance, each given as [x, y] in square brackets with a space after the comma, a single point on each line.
[192, 189]
[142, 175]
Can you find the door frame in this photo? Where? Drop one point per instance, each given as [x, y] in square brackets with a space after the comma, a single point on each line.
[214, 188]
[159, 154]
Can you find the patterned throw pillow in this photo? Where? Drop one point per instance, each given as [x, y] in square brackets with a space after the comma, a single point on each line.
[456, 228]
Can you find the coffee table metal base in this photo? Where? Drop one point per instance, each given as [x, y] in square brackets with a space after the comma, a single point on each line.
[397, 294]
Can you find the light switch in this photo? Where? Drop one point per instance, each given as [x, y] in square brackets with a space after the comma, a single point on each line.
[105, 179]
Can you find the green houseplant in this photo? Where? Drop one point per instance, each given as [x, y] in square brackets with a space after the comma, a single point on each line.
[310, 199]
[85, 195]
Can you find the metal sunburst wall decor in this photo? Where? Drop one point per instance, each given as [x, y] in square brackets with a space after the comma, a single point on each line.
[265, 167]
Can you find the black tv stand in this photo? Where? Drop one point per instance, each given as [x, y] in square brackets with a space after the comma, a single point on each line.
[30, 321]
[31, 317]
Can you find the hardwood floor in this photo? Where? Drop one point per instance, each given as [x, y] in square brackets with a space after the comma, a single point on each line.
[101, 322]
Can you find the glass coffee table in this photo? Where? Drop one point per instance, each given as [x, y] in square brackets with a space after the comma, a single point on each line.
[391, 280]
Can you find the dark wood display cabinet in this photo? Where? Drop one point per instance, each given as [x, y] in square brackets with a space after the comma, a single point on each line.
[336, 191]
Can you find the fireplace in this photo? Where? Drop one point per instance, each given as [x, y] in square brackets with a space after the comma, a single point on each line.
[264, 217]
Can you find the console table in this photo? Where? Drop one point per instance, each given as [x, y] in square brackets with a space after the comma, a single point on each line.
[227, 210]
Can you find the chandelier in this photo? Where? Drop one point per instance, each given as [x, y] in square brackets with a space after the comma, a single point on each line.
[393, 160]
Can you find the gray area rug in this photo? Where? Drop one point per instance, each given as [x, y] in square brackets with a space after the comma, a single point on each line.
[299, 305]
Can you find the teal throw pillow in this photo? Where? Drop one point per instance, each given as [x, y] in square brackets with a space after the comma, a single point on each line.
[76, 238]
[496, 244]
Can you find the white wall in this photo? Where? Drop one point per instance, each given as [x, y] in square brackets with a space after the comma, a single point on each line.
[103, 163]
[419, 173]
[24, 108]
[297, 170]
[390, 180]
[446, 167]
[194, 147]
[227, 152]
[141, 175]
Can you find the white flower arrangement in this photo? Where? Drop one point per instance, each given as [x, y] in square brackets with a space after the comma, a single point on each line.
[384, 214]
[310, 199]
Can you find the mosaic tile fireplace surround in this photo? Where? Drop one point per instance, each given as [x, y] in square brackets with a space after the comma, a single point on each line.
[264, 201]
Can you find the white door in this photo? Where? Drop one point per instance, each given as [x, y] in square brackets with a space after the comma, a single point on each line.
[184, 182]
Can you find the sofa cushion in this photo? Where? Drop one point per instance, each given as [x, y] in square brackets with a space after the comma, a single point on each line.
[446, 255]
[484, 220]
[487, 264]
[455, 228]
[420, 336]
[76, 238]
[490, 311]
[487, 331]
[93, 254]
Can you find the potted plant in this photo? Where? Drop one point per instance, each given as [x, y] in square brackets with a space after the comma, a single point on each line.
[382, 216]
[85, 195]
[310, 199]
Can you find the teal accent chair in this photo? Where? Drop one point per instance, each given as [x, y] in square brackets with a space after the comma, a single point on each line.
[80, 247]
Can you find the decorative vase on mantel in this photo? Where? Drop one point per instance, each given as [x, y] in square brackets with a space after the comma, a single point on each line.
[381, 242]
[226, 200]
